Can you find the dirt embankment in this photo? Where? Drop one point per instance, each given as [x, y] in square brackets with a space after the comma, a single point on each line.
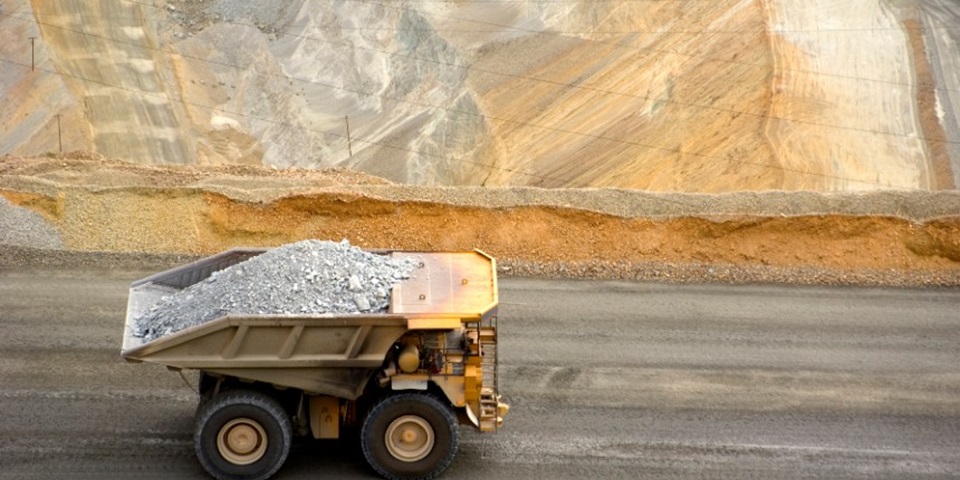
[98, 205]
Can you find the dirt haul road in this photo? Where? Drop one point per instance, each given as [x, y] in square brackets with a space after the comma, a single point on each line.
[605, 379]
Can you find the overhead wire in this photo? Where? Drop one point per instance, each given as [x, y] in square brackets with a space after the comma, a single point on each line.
[593, 89]
[649, 195]
[214, 108]
[612, 92]
[519, 172]
[422, 104]
[562, 34]
[739, 31]
[568, 35]
[541, 177]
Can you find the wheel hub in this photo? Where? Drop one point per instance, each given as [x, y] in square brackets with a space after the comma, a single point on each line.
[409, 438]
[242, 441]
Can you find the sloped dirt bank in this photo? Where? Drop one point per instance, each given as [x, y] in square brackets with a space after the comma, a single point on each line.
[868, 238]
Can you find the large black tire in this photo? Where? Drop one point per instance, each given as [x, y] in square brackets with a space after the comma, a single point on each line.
[242, 435]
[425, 436]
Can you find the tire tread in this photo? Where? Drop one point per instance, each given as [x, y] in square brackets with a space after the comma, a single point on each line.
[422, 398]
[249, 398]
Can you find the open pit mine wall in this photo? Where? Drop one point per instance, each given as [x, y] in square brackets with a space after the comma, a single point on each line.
[707, 96]
[888, 231]
[271, 83]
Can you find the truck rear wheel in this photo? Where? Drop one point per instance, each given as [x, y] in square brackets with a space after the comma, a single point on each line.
[242, 435]
[410, 436]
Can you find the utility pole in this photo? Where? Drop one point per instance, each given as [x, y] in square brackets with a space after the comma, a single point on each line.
[59, 134]
[349, 141]
[33, 56]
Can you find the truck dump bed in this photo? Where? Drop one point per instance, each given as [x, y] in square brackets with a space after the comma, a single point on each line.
[321, 353]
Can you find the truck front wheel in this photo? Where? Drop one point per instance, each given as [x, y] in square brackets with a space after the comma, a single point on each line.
[242, 435]
[410, 436]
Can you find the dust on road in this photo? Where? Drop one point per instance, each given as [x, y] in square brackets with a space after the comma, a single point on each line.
[605, 379]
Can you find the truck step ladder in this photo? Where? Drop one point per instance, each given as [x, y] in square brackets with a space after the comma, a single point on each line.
[490, 418]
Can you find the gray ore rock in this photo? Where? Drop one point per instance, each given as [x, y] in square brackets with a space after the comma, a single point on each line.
[308, 277]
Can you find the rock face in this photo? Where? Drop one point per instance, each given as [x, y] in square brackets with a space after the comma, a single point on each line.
[672, 96]
[307, 277]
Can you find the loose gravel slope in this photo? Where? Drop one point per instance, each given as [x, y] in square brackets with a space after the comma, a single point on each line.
[894, 238]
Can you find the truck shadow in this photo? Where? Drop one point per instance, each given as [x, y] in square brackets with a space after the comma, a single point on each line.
[341, 458]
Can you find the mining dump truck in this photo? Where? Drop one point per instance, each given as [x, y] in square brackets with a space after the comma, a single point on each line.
[405, 379]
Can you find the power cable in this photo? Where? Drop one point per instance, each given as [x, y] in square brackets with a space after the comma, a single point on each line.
[551, 33]
[541, 177]
[566, 131]
[253, 117]
[765, 116]
[567, 35]
[239, 114]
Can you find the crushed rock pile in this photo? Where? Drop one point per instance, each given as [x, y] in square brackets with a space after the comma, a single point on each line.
[19, 226]
[308, 277]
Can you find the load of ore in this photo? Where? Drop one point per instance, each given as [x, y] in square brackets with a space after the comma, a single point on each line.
[308, 277]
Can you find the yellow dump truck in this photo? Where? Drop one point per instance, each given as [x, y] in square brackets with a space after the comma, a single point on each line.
[405, 379]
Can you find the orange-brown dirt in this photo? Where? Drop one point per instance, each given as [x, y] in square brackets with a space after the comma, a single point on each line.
[933, 132]
[98, 205]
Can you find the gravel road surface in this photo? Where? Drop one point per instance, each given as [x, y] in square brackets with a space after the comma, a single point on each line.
[605, 379]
